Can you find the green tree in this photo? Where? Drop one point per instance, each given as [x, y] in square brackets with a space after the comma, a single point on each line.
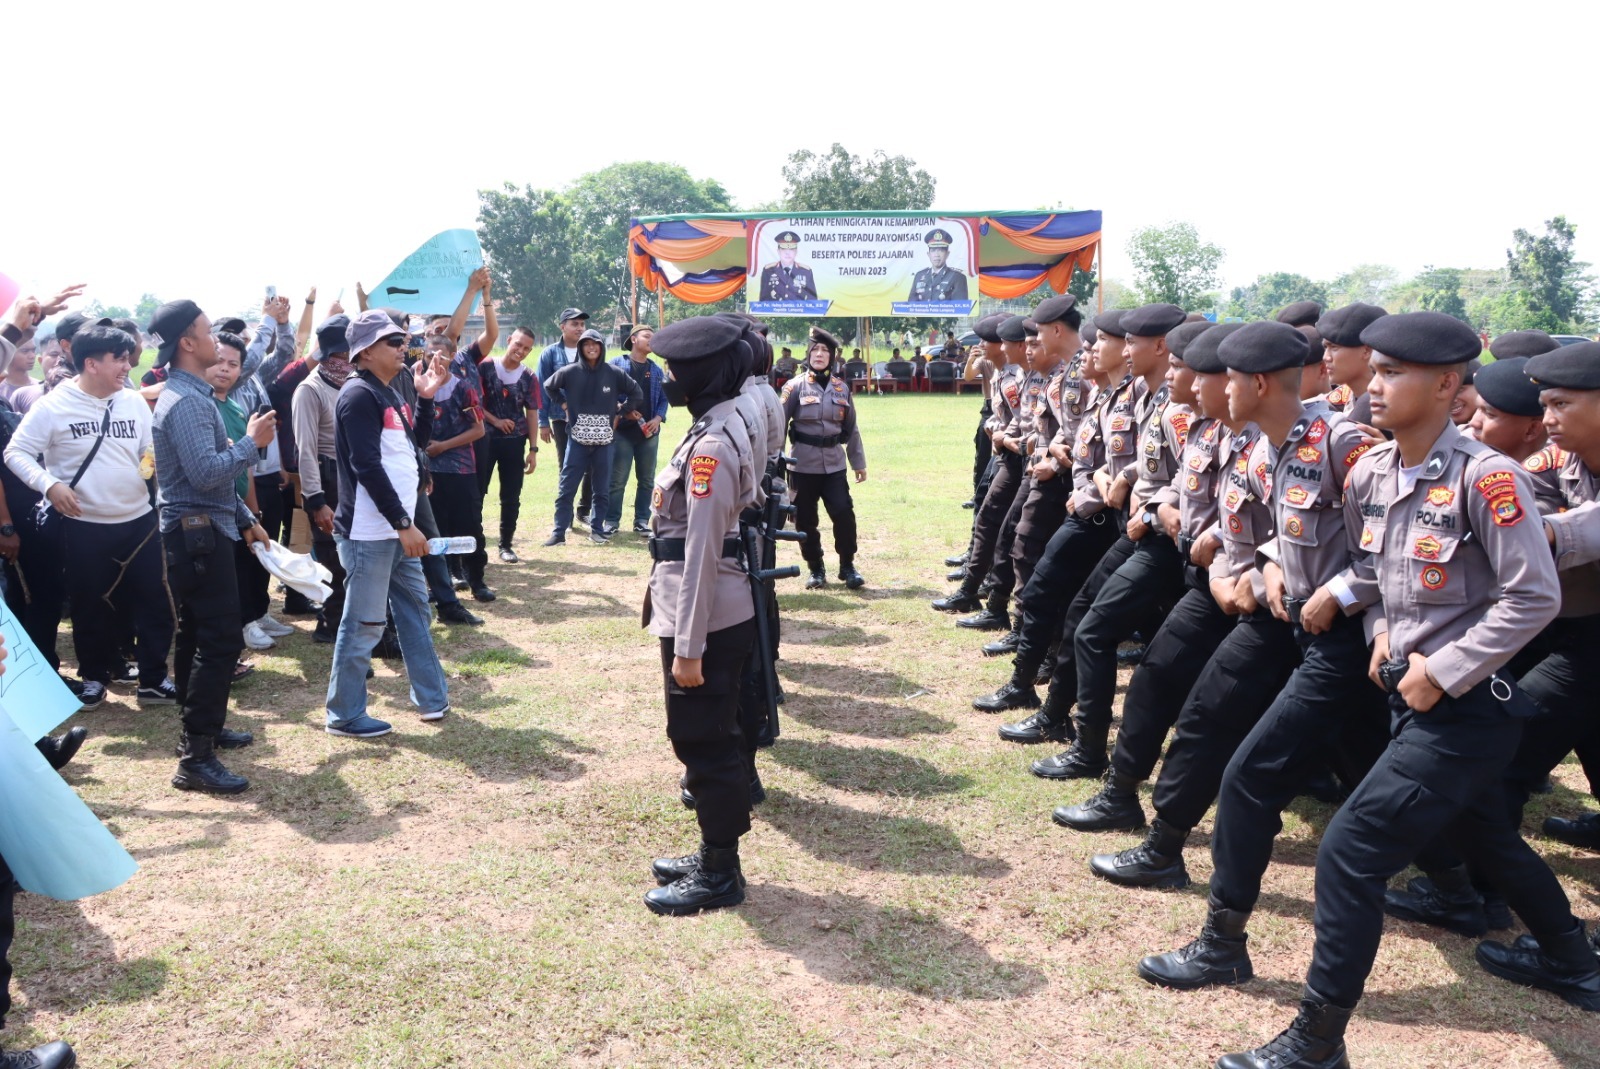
[528, 237]
[836, 181]
[1365, 283]
[1441, 292]
[1172, 265]
[148, 303]
[1544, 270]
[1264, 297]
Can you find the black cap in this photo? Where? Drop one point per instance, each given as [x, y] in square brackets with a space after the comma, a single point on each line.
[571, 313]
[70, 324]
[169, 323]
[1264, 347]
[1314, 342]
[1011, 329]
[1179, 337]
[1343, 326]
[1201, 352]
[701, 338]
[1571, 367]
[1152, 320]
[1505, 385]
[1423, 338]
[1110, 323]
[231, 325]
[1300, 313]
[1054, 309]
[1522, 343]
[330, 335]
[988, 328]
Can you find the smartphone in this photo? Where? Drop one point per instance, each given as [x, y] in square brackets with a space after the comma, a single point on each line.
[272, 293]
[264, 410]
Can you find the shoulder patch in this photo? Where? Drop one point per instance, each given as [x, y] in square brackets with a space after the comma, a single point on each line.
[1317, 431]
[1499, 489]
[1355, 454]
[1180, 423]
[701, 469]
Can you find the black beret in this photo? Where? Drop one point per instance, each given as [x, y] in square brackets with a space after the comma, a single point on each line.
[1300, 313]
[1505, 385]
[1522, 343]
[701, 338]
[1152, 320]
[1314, 339]
[1011, 329]
[1054, 309]
[1110, 322]
[1343, 326]
[1201, 352]
[1470, 372]
[330, 335]
[1088, 335]
[1423, 338]
[1030, 328]
[169, 323]
[1264, 347]
[988, 328]
[820, 335]
[1571, 367]
[1179, 337]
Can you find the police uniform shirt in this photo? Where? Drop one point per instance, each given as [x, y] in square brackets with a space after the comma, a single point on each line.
[1089, 456]
[1307, 492]
[698, 497]
[1340, 399]
[1048, 419]
[1197, 484]
[945, 284]
[823, 412]
[1161, 443]
[1007, 396]
[748, 409]
[779, 283]
[1024, 421]
[1119, 427]
[1245, 518]
[758, 387]
[1562, 487]
[1454, 552]
[1069, 400]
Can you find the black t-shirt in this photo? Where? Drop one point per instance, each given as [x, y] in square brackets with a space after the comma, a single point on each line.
[640, 373]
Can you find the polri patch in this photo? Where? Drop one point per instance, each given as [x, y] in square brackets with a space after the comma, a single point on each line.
[1355, 454]
[1308, 454]
[1294, 527]
[1499, 489]
[1427, 548]
[1440, 496]
[701, 469]
[1297, 495]
[1434, 577]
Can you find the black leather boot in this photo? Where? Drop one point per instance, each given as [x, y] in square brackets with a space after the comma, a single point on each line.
[714, 883]
[963, 600]
[1010, 696]
[1052, 723]
[55, 1055]
[229, 739]
[1114, 806]
[957, 576]
[1581, 831]
[818, 577]
[1156, 862]
[199, 769]
[1005, 645]
[1130, 656]
[671, 869]
[1314, 1041]
[986, 620]
[1568, 967]
[848, 575]
[1084, 759]
[1445, 900]
[956, 562]
[1218, 957]
[59, 750]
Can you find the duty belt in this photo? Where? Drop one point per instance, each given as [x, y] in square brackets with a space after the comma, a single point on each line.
[811, 439]
[1292, 606]
[672, 548]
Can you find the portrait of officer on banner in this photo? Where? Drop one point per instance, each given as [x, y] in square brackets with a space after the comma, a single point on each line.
[939, 281]
[787, 280]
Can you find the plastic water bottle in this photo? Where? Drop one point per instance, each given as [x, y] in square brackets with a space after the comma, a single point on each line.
[458, 544]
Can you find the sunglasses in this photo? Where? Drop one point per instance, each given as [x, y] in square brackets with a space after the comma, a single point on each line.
[397, 341]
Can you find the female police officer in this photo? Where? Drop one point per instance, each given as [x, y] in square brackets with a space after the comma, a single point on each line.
[822, 429]
[699, 606]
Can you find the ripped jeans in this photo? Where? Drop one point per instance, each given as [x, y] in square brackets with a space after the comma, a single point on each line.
[379, 577]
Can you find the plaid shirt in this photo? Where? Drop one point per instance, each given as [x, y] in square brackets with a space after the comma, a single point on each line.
[195, 465]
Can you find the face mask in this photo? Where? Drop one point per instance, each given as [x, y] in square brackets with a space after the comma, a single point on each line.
[675, 395]
[335, 369]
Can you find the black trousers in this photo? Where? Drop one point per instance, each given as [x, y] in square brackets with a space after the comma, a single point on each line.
[1043, 513]
[703, 724]
[558, 431]
[1238, 685]
[435, 569]
[1003, 570]
[206, 590]
[833, 490]
[326, 552]
[458, 509]
[982, 447]
[8, 932]
[1442, 776]
[1173, 662]
[116, 576]
[1151, 577]
[1562, 687]
[505, 454]
[1065, 674]
[1069, 557]
[991, 516]
[36, 581]
[982, 491]
[1288, 745]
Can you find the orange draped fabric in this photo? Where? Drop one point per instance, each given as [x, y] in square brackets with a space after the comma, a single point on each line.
[706, 292]
[1059, 275]
[1023, 240]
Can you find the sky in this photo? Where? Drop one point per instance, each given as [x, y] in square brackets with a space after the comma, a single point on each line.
[210, 150]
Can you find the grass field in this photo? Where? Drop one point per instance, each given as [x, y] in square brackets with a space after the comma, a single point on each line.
[468, 893]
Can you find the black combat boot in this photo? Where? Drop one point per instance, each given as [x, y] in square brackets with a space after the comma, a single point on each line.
[1217, 957]
[1005, 645]
[59, 750]
[1445, 900]
[55, 1055]
[1114, 806]
[1131, 656]
[1084, 759]
[956, 562]
[714, 882]
[957, 576]
[199, 769]
[1581, 831]
[1052, 723]
[1568, 967]
[848, 575]
[818, 577]
[1314, 1041]
[1156, 862]
[965, 599]
[986, 620]
[672, 869]
[229, 739]
[1012, 695]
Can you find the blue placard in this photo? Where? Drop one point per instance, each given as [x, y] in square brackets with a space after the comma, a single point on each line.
[431, 280]
[30, 690]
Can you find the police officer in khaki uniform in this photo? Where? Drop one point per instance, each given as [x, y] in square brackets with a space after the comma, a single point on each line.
[823, 435]
[1450, 546]
[1345, 358]
[700, 607]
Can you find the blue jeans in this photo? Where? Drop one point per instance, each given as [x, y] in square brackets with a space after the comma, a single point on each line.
[379, 577]
[638, 455]
[580, 459]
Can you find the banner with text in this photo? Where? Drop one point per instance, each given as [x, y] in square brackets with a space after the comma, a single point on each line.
[862, 265]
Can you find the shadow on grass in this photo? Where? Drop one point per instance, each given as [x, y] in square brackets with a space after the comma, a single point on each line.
[848, 679]
[802, 634]
[870, 720]
[866, 769]
[65, 964]
[874, 842]
[845, 939]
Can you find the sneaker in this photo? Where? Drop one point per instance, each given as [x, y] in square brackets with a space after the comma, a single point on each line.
[509, 556]
[362, 727]
[165, 693]
[599, 538]
[275, 628]
[557, 538]
[128, 676]
[641, 528]
[256, 638]
[437, 714]
[91, 695]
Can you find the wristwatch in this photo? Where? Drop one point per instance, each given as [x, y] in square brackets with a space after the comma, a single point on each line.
[403, 523]
[7, 530]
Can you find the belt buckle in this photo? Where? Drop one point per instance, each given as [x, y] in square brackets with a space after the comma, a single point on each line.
[1292, 606]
